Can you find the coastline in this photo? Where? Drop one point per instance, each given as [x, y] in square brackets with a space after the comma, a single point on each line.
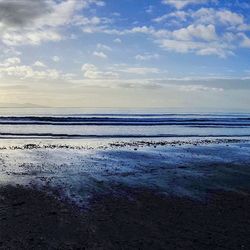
[134, 194]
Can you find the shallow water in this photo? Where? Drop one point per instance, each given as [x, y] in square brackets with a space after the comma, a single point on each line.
[76, 173]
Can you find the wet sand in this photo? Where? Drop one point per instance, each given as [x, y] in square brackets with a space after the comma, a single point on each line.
[135, 219]
[125, 195]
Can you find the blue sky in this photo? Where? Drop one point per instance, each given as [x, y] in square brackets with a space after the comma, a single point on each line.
[94, 53]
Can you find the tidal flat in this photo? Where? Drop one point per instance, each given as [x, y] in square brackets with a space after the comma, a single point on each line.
[125, 194]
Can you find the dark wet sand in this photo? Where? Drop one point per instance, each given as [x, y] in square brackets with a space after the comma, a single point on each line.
[30, 219]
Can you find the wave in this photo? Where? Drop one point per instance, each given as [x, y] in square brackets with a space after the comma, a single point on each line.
[55, 135]
[131, 120]
[125, 125]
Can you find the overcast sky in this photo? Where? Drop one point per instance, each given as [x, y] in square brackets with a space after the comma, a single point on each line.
[125, 53]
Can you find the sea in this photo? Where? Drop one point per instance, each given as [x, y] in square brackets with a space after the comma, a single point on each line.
[78, 152]
[74, 123]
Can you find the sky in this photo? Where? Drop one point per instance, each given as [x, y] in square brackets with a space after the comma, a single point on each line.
[125, 53]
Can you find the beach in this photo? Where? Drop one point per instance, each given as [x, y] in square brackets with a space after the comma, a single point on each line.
[32, 220]
[121, 180]
[125, 194]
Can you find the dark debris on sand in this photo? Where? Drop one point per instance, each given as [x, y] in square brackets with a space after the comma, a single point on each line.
[30, 219]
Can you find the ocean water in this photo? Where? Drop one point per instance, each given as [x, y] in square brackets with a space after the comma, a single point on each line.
[119, 123]
[75, 153]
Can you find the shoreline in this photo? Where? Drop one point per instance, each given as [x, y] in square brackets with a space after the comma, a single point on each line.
[134, 194]
[180, 167]
[111, 143]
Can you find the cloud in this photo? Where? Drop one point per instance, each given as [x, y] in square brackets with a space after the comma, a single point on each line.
[200, 48]
[180, 46]
[202, 32]
[10, 61]
[92, 72]
[228, 17]
[117, 40]
[103, 47]
[24, 72]
[33, 38]
[222, 16]
[140, 70]
[245, 43]
[24, 21]
[40, 64]
[135, 30]
[100, 54]
[200, 39]
[216, 82]
[12, 68]
[208, 31]
[10, 51]
[181, 15]
[146, 57]
[213, 84]
[88, 22]
[56, 59]
[180, 4]
[150, 9]
[13, 72]
[17, 13]
[195, 88]
[33, 22]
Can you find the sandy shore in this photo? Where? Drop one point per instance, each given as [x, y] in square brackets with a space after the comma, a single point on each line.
[137, 219]
[125, 195]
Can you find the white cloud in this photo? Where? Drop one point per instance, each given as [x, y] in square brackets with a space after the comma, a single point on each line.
[85, 21]
[214, 51]
[136, 30]
[146, 57]
[196, 38]
[180, 46]
[180, 4]
[222, 16]
[92, 72]
[39, 64]
[194, 88]
[201, 39]
[33, 38]
[103, 47]
[60, 14]
[200, 48]
[117, 40]
[98, 3]
[181, 15]
[141, 29]
[203, 32]
[10, 62]
[56, 59]
[11, 51]
[150, 9]
[22, 72]
[228, 17]
[245, 43]
[140, 70]
[100, 54]
[210, 31]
